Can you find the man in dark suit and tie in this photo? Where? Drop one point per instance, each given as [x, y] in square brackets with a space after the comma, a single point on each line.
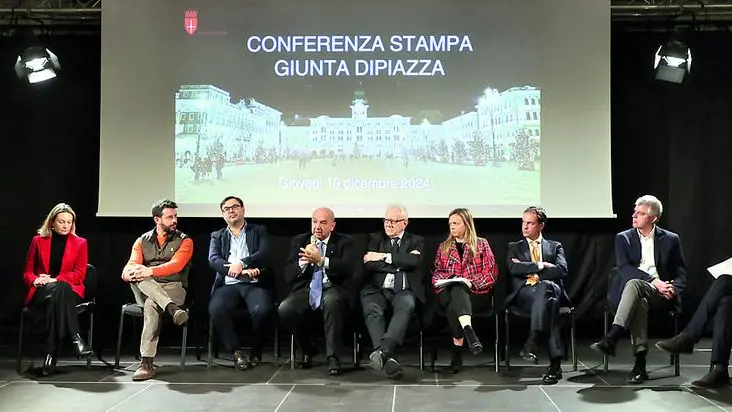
[319, 267]
[238, 253]
[651, 273]
[394, 278]
[715, 308]
[538, 267]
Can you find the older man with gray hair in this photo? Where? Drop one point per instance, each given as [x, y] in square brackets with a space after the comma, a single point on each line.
[394, 281]
[651, 273]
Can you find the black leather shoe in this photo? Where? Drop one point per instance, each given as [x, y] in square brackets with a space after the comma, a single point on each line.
[680, 343]
[306, 362]
[456, 363]
[473, 343]
[377, 360]
[552, 375]
[393, 369]
[49, 365]
[334, 366]
[637, 375]
[241, 361]
[82, 351]
[717, 377]
[605, 346]
[528, 353]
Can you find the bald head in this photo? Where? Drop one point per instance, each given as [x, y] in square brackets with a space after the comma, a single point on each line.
[323, 222]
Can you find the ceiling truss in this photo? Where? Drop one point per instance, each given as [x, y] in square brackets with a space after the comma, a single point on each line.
[54, 13]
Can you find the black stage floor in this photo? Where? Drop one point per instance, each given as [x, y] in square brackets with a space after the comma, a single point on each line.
[277, 388]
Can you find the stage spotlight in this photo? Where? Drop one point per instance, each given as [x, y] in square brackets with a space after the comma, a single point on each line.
[672, 61]
[37, 64]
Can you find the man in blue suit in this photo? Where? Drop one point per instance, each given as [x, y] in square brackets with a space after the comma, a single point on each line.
[651, 273]
[238, 254]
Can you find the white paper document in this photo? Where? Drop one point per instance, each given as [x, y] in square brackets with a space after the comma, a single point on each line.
[722, 268]
[444, 282]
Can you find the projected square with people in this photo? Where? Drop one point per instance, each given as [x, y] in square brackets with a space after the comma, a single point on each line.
[378, 112]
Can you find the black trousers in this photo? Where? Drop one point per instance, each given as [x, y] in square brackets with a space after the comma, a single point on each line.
[59, 302]
[376, 308]
[542, 302]
[294, 310]
[716, 305]
[457, 300]
[225, 299]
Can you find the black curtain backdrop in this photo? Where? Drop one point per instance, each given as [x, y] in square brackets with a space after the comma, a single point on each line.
[670, 140]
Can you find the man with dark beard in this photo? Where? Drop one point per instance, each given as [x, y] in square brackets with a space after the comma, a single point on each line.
[158, 275]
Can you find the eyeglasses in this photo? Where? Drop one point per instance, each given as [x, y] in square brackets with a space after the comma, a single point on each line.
[232, 207]
[393, 221]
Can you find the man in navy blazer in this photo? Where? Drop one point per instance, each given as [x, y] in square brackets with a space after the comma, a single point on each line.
[537, 267]
[651, 273]
[320, 267]
[238, 253]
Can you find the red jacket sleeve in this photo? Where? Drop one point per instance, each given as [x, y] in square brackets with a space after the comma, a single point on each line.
[78, 273]
[487, 272]
[29, 274]
[439, 271]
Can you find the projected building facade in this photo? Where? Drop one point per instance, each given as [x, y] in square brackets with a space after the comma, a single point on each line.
[207, 120]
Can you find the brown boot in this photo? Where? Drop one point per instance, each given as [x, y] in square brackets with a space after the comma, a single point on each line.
[179, 315]
[145, 371]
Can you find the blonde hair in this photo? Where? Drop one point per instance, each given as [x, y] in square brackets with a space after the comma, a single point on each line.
[471, 237]
[46, 228]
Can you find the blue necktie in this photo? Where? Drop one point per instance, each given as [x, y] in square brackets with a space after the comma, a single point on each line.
[316, 284]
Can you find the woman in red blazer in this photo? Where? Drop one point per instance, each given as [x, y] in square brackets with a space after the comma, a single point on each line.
[55, 269]
[464, 273]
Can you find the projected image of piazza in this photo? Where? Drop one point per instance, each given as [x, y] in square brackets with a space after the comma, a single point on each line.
[381, 111]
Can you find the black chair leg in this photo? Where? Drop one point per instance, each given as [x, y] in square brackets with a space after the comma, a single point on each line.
[277, 344]
[209, 358]
[507, 344]
[356, 360]
[119, 338]
[20, 342]
[572, 341]
[184, 346]
[421, 350]
[292, 351]
[675, 357]
[605, 358]
[90, 336]
[496, 347]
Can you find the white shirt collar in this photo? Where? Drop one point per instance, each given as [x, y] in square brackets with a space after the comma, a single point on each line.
[650, 235]
[398, 236]
[325, 241]
[539, 239]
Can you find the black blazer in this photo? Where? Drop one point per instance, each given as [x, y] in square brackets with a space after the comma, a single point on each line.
[551, 251]
[341, 254]
[668, 257]
[258, 245]
[406, 261]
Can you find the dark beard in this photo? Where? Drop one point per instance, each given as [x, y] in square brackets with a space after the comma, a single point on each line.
[168, 230]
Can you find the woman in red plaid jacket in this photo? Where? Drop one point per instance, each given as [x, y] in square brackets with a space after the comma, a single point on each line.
[463, 275]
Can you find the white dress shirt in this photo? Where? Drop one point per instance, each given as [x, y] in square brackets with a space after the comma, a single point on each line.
[389, 279]
[648, 259]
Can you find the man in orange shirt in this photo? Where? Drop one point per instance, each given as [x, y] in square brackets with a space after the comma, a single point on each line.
[158, 274]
